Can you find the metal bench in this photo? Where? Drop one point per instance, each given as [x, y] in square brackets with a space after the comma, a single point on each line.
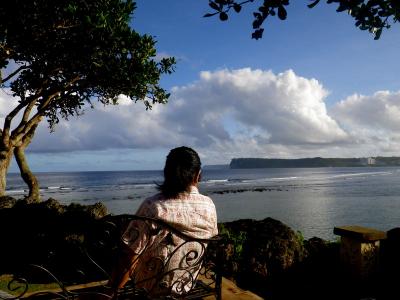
[179, 267]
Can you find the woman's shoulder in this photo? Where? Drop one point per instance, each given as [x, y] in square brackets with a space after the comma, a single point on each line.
[201, 200]
[154, 199]
[149, 205]
[194, 196]
[205, 198]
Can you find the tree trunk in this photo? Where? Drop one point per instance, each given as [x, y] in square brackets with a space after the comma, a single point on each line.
[5, 159]
[27, 175]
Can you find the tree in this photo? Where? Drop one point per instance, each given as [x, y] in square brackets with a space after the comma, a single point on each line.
[371, 15]
[58, 56]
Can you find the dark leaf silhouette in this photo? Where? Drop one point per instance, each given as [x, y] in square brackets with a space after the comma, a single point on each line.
[223, 16]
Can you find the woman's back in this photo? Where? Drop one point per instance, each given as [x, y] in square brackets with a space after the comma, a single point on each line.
[193, 215]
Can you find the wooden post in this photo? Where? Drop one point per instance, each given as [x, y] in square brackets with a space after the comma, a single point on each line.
[359, 251]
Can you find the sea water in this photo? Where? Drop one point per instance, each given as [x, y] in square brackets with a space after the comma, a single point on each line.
[311, 200]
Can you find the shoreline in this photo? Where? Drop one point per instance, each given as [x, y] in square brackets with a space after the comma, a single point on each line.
[313, 201]
[297, 207]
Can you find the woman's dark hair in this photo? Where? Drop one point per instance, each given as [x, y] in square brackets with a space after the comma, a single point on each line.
[181, 167]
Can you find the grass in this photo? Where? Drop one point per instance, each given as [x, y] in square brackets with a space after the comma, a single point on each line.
[237, 239]
[17, 288]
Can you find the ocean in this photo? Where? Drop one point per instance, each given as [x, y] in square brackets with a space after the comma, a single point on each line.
[310, 200]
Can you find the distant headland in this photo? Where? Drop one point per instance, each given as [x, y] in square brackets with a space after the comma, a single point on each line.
[315, 162]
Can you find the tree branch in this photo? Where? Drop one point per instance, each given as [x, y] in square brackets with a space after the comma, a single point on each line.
[8, 119]
[16, 139]
[26, 126]
[44, 105]
[27, 112]
[13, 74]
[15, 111]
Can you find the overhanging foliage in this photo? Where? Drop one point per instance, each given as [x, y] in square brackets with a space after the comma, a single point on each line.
[371, 15]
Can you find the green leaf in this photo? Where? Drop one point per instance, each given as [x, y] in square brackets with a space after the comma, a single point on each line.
[282, 14]
[378, 34]
[209, 15]
[214, 5]
[342, 7]
[312, 5]
[223, 16]
[257, 34]
[237, 7]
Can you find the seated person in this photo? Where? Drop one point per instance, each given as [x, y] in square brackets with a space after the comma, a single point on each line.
[180, 205]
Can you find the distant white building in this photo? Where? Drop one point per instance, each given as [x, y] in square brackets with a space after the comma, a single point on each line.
[371, 161]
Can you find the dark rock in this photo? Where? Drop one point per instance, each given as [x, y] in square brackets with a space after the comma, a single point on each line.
[394, 234]
[276, 262]
[269, 242]
[97, 210]
[7, 202]
[315, 246]
[259, 252]
[390, 263]
[53, 205]
[49, 228]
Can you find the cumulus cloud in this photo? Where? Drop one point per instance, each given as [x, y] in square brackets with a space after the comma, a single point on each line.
[237, 113]
[265, 109]
[372, 121]
[376, 112]
[285, 108]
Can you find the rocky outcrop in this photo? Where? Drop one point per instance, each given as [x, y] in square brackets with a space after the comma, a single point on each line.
[267, 257]
[267, 246]
[45, 233]
[7, 202]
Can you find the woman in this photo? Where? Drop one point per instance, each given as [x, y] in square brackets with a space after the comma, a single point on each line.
[180, 205]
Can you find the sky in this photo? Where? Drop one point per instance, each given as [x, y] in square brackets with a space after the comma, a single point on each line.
[314, 85]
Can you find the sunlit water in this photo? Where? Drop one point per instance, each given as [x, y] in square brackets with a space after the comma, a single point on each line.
[312, 200]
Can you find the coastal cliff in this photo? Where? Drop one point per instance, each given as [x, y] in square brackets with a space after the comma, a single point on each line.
[315, 162]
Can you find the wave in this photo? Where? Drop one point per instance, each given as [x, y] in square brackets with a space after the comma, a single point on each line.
[217, 180]
[361, 174]
[15, 191]
[237, 181]
[53, 187]
[268, 179]
[144, 185]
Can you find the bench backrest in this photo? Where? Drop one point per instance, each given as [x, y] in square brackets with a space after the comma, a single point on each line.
[167, 261]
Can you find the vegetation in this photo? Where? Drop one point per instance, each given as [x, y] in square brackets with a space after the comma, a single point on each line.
[371, 15]
[236, 239]
[56, 57]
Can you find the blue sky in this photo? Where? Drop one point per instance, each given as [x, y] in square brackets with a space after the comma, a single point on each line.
[316, 43]
[315, 85]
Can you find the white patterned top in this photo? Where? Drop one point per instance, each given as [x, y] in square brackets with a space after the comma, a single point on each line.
[192, 214]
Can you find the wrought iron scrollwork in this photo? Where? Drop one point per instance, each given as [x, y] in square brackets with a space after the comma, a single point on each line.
[180, 259]
[18, 286]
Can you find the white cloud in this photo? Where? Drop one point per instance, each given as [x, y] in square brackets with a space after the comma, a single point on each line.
[376, 112]
[7, 103]
[237, 113]
[286, 108]
[373, 122]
